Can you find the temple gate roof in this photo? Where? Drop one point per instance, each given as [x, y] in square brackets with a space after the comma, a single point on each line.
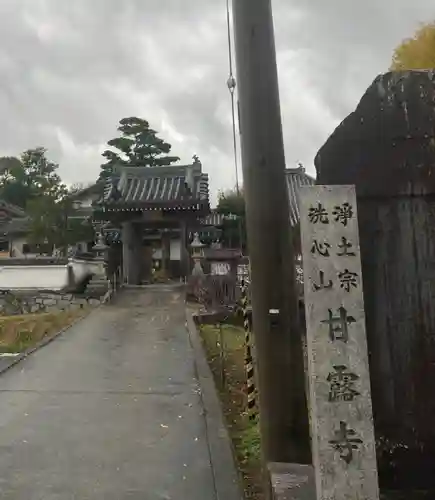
[172, 187]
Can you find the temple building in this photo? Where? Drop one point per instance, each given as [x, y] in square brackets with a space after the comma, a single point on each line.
[149, 215]
[142, 205]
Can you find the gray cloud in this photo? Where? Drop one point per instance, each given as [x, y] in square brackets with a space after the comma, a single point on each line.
[70, 70]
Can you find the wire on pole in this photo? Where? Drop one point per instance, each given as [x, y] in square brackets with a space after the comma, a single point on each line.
[231, 83]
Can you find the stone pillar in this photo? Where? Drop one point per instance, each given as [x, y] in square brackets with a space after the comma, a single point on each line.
[184, 252]
[131, 253]
[166, 252]
[386, 149]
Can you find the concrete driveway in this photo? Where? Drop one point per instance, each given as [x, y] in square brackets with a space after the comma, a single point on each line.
[110, 410]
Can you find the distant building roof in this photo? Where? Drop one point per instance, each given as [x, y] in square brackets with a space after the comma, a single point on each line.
[13, 219]
[157, 187]
[295, 179]
[213, 219]
[15, 226]
[92, 190]
[10, 210]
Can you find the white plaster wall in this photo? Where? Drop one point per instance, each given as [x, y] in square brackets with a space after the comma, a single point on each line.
[52, 277]
[33, 277]
[16, 246]
[175, 249]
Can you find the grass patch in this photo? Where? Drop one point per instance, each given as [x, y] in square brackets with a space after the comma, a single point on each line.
[226, 355]
[18, 333]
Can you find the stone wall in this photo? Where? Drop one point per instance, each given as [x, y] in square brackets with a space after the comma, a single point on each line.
[22, 302]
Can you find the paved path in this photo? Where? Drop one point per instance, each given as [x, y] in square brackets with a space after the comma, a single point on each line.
[110, 410]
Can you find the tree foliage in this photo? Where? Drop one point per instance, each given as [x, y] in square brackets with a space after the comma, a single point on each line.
[53, 222]
[32, 183]
[27, 178]
[138, 146]
[417, 52]
[231, 203]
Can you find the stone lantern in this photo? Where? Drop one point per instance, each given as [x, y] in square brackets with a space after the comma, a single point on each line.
[197, 255]
[101, 251]
[100, 248]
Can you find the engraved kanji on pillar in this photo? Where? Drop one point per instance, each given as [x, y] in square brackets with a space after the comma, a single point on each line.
[344, 454]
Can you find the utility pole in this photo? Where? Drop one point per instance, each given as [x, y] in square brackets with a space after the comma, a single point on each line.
[277, 333]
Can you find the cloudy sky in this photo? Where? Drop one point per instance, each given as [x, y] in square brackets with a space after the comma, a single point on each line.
[71, 69]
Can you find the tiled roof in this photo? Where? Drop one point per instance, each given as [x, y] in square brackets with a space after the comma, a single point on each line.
[19, 225]
[157, 185]
[213, 219]
[11, 210]
[92, 190]
[13, 219]
[295, 178]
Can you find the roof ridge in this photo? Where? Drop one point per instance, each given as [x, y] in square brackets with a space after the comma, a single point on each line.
[300, 171]
[162, 171]
[147, 185]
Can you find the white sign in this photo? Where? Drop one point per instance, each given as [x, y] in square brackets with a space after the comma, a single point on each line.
[344, 454]
[220, 268]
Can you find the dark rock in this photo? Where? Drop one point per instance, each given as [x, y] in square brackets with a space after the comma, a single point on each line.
[387, 145]
[386, 148]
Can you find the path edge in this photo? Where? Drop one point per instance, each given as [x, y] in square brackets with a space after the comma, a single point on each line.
[228, 480]
[7, 363]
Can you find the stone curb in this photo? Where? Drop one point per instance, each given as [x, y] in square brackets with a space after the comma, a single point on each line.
[7, 363]
[226, 476]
